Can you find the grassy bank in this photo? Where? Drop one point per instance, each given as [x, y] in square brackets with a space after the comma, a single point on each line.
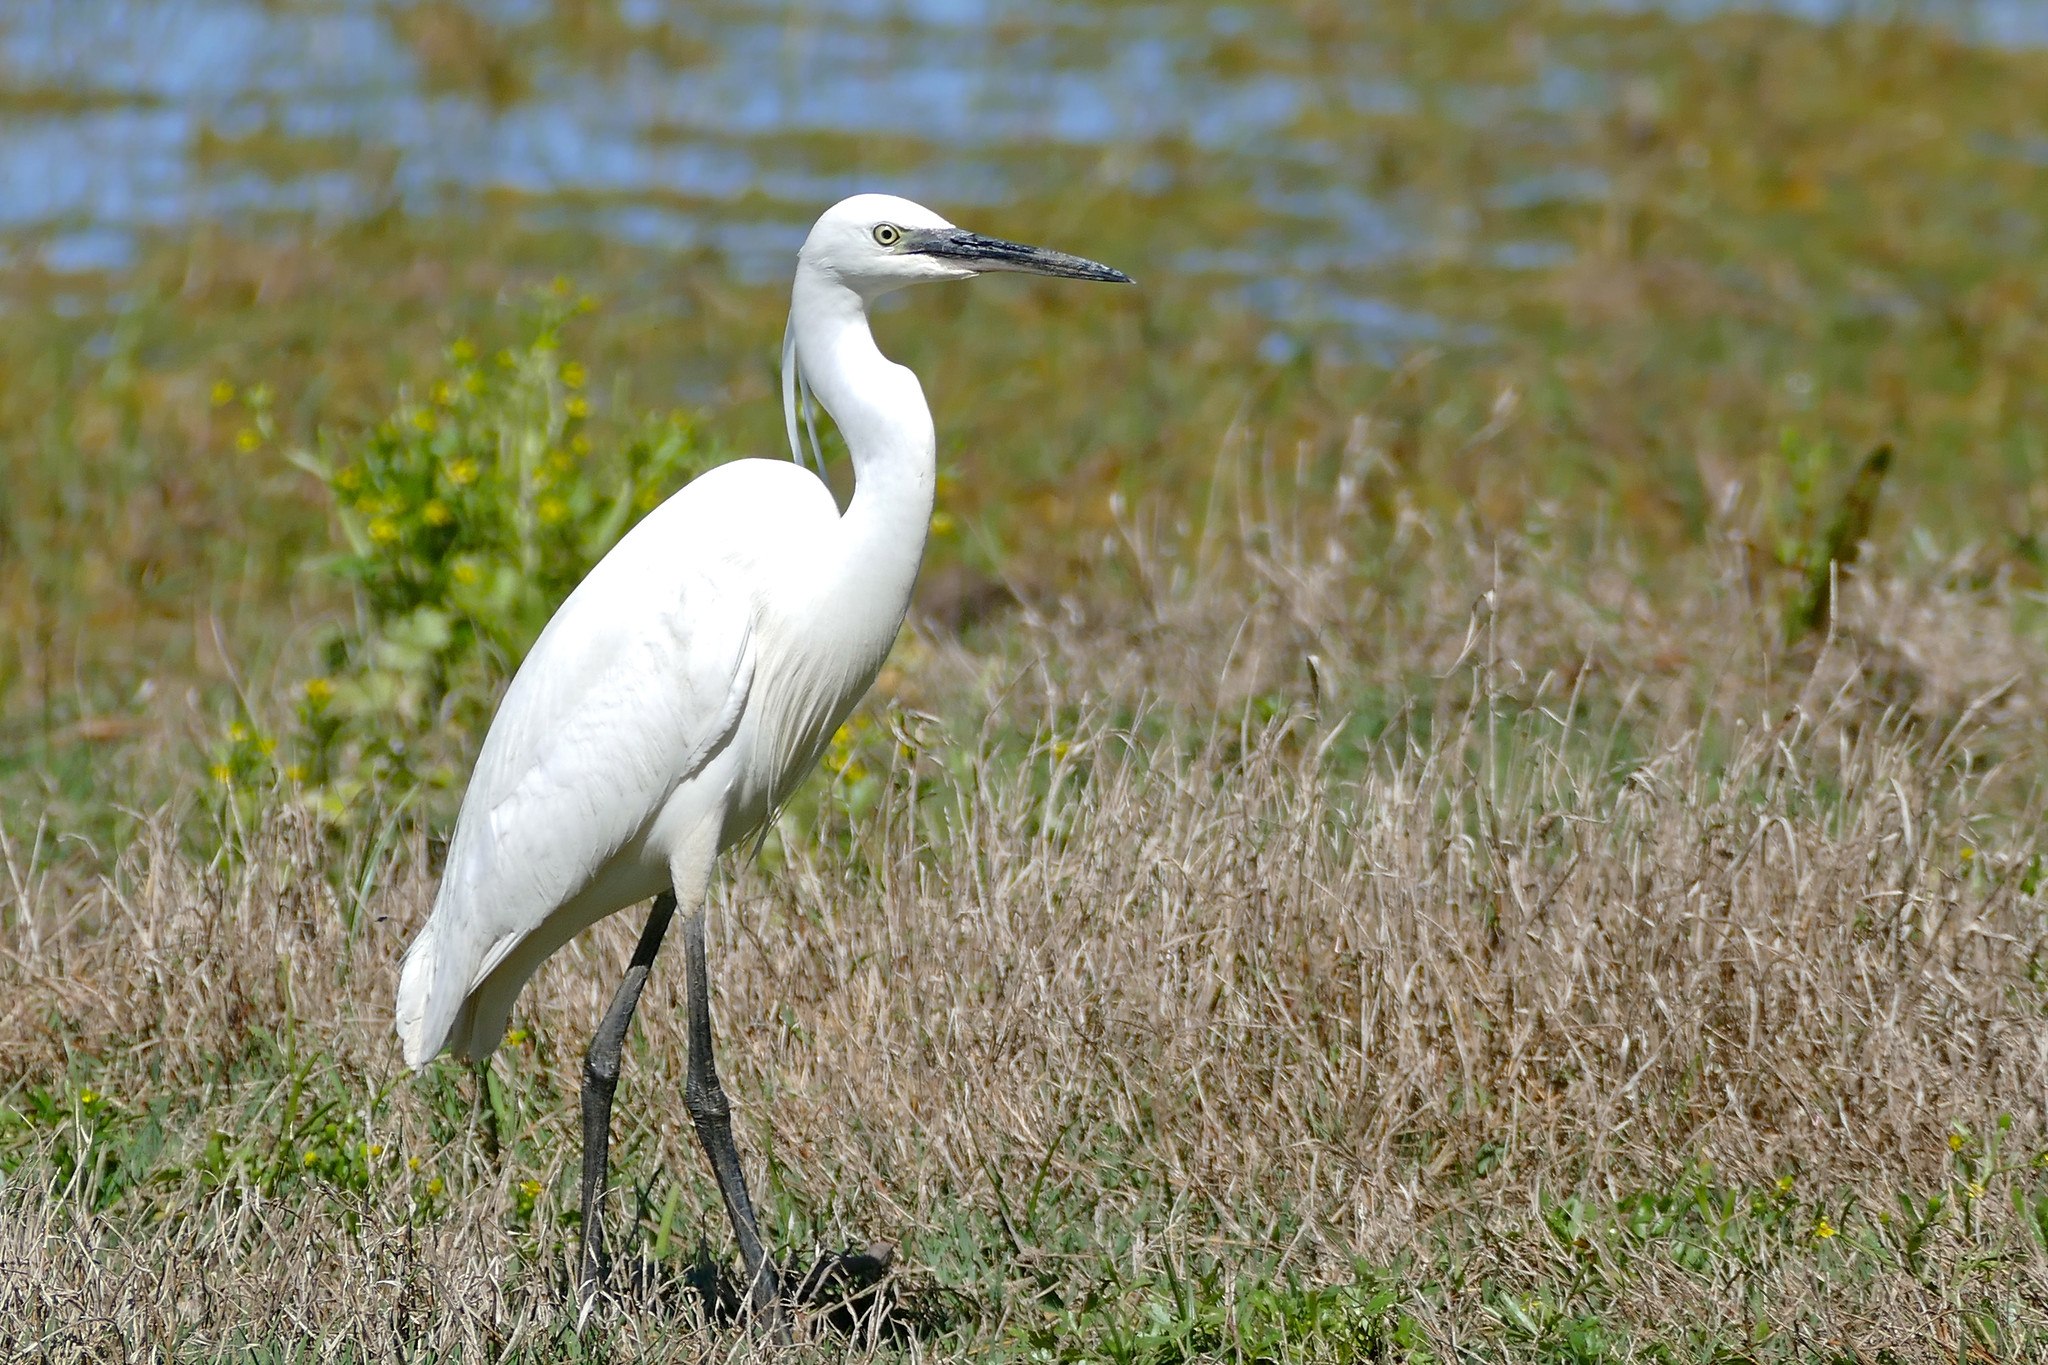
[1160, 1009]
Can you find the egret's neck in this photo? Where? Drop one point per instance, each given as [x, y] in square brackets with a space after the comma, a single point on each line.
[879, 408]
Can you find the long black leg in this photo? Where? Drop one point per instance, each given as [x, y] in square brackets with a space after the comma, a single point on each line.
[706, 1102]
[601, 1082]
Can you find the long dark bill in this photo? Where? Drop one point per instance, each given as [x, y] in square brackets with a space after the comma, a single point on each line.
[993, 253]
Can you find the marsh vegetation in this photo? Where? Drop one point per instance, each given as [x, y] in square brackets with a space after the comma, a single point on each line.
[1467, 778]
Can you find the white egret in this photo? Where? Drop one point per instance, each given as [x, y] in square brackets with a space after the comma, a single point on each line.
[688, 684]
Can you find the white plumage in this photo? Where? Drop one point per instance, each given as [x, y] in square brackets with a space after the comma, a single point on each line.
[692, 679]
[641, 716]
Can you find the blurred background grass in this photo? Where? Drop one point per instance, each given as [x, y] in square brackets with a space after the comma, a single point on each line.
[1672, 268]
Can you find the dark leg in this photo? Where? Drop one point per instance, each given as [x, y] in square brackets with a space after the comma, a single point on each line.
[486, 1112]
[713, 1117]
[601, 1081]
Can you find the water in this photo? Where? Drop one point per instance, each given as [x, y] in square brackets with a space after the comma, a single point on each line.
[727, 125]
[970, 83]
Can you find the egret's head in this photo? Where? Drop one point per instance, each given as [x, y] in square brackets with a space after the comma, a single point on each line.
[876, 242]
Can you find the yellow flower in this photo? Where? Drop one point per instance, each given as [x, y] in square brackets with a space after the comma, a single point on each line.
[573, 375]
[552, 510]
[1823, 1230]
[462, 352]
[412, 1163]
[434, 1186]
[462, 472]
[530, 1188]
[1955, 1142]
[465, 572]
[515, 1036]
[561, 286]
[577, 406]
[374, 1149]
[348, 478]
[423, 419]
[436, 513]
[238, 732]
[88, 1096]
[840, 757]
[295, 772]
[443, 394]
[943, 524]
[472, 382]
[580, 443]
[223, 393]
[309, 1158]
[266, 746]
[247, 440]
[318, 690]
[1784, 1184]
[561, 463]
[383, 530]
[1974, 1190]
[587, 304]
[221, 772]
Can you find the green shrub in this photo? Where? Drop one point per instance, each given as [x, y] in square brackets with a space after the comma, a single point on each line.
[463, 520]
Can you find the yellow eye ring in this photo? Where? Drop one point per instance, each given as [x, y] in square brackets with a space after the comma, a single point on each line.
[888, 234]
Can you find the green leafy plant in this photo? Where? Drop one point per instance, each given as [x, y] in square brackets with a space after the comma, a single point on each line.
[1817, 519]
[464, 518]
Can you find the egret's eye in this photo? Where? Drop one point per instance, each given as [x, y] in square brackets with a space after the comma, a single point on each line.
[888, 234]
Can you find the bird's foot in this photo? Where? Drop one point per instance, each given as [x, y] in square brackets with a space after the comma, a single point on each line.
[593, 1277]
[848, 1290]
[640, 1283]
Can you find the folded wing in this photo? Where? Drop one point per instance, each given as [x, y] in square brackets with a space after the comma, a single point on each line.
[640, 678]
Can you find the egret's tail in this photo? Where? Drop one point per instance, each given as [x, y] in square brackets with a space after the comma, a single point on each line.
[462, 975]
[458, 998]
[431, 993]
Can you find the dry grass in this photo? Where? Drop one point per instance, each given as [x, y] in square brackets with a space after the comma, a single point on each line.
[1530, 1014]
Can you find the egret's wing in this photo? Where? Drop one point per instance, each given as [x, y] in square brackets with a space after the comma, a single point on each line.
[637, 681]
[615, 718]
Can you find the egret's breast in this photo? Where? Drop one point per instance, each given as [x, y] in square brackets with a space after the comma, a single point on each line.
[828, 602]
[819, 652]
